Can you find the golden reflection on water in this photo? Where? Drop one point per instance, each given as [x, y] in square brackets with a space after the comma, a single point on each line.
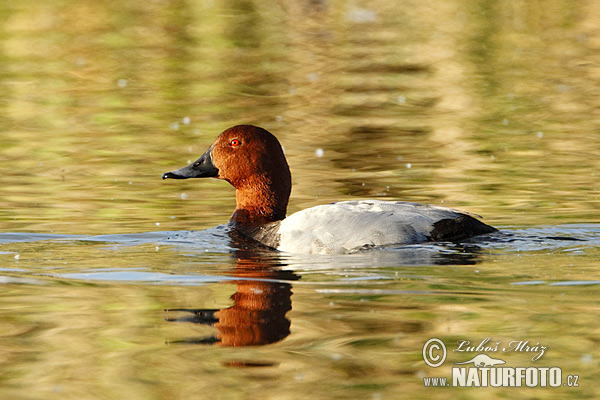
[95, 339]
[484, 106]
[488, 111]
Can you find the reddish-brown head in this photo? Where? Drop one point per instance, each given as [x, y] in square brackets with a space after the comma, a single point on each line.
[245, 154]
[252, 160]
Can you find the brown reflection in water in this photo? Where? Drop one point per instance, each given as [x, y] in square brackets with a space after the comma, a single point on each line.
[263, 296]
[261, 302]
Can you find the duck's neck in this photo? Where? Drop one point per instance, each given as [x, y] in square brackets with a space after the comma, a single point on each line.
[259, 203]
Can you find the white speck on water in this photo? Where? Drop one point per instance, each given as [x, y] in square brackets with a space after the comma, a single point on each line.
[408, 165]
[336, 357]
[41, 164]
[186, 120]
[331, 303]
[312, 77]
[190, 149]
[586, 358]
[399, 158]
[540, 134]
[156, 248]
[131, 183]
[183, 196]
[17, 256]
[157, 223]
[299, 376]
[189, 161]
[279, 118]
[492, 157]
[81, 62]
[174, 126]
[505, 122]
[292, 90]
[401, 99]
[122, 83]
[196, 131]
[362, 184]
[319, 153]
[362, 15]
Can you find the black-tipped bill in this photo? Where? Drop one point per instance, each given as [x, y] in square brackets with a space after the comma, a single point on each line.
[201, 168]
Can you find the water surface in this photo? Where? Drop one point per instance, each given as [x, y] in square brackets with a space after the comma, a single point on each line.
[487, 107]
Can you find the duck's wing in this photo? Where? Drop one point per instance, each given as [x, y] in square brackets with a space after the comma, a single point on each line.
[350, 225]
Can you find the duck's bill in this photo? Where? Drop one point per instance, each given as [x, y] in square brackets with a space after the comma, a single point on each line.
[201, 168]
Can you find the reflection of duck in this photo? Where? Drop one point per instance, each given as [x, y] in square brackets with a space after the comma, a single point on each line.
[252, 160]
[257, 316]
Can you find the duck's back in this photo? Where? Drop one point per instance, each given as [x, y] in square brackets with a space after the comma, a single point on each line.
[351, 225]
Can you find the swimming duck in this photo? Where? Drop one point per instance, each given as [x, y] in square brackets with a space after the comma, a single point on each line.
[252, 160]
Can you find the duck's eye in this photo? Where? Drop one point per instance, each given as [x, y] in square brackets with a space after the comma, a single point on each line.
[235, 142]
[196, 164]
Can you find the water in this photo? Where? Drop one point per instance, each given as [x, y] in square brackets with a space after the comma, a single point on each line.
[141, 314]
[106, 294]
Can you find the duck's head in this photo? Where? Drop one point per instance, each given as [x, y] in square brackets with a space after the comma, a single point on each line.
[252, 160]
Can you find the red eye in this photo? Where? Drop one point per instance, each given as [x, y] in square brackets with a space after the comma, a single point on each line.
[235, 143]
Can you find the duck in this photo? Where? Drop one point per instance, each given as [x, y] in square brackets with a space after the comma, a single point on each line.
[252, 160]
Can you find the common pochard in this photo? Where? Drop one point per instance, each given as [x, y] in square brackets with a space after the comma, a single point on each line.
[252, 160]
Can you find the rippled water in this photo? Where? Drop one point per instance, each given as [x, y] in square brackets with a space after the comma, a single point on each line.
[107, 293]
